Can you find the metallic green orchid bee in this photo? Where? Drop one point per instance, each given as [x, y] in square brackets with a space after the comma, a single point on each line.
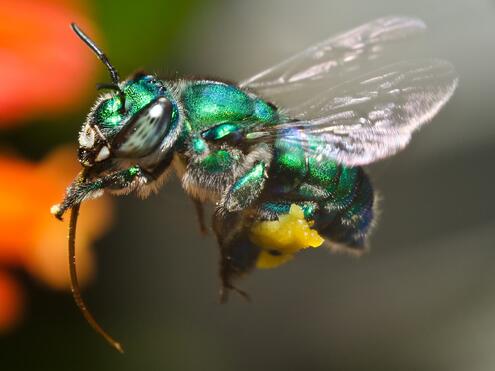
[279, 154]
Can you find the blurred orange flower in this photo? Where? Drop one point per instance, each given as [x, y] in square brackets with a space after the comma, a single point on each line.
[11, 300]
[31, 237]
[44, 68]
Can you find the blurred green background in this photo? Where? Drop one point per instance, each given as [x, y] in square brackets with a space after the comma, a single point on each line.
[422, 299]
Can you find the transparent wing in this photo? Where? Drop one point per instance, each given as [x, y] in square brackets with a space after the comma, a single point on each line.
[370, 117]
[334, 60]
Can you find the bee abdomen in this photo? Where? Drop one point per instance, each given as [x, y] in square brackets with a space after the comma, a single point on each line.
[351, 224]
[343, 196]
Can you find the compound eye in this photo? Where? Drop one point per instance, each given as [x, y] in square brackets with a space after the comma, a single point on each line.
[144, 132]
[87, 137]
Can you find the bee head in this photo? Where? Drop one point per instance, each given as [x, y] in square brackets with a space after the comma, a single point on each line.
[128, 123]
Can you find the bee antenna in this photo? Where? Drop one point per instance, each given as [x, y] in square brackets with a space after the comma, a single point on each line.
[99, 53]
[76, 290]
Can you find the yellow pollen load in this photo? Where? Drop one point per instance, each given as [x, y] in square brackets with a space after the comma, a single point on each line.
[281, 239]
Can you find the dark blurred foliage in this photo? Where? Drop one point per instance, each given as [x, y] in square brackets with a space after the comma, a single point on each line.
[136, 34]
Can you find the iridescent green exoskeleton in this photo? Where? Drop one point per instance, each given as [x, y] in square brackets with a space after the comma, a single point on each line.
[295, 134]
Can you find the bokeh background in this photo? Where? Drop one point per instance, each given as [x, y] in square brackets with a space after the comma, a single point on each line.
[422, 299]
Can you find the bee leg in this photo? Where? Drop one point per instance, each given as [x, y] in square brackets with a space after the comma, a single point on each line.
[124, 180]
[79, 191]
[235, 261]
[200, 215]
[237, 254]
[246, 189]
[231, 224]
[224, 293]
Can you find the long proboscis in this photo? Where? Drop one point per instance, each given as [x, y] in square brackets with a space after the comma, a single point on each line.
[74, 282]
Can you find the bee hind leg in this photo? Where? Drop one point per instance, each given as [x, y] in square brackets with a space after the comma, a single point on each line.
[227, 287]
[238, 254]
